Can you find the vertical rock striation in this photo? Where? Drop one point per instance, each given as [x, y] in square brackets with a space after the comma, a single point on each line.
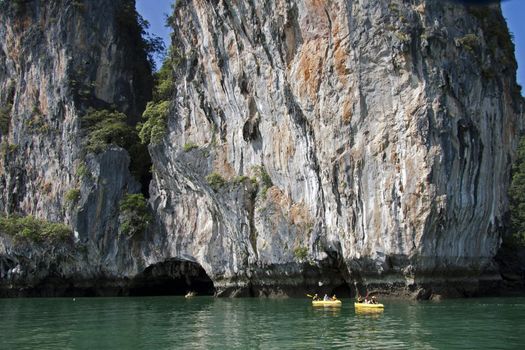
[309, 144]
[361, 141]
[59, 60]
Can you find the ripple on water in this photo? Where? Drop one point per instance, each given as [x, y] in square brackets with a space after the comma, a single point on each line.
[208, 323]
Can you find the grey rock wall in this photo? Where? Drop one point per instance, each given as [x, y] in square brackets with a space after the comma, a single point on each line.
[311, 144]
[387, 129]
[58, 60]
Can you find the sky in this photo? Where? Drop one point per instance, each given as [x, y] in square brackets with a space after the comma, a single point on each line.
[155, 11]
[514, 12]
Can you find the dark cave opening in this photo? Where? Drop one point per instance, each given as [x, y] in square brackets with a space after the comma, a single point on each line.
[172, 277]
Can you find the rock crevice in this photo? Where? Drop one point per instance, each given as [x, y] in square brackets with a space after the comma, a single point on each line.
[329, 145]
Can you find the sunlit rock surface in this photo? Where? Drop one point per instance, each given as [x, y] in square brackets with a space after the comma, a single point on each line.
[386, 128]
[310, 144]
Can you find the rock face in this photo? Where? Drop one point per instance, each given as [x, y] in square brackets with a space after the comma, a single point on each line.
[58, 59]
[310, 144]
[380, 135]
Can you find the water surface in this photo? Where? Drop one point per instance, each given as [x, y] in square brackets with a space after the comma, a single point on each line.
[210, 323]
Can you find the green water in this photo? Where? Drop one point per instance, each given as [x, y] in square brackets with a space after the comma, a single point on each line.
[209, 323]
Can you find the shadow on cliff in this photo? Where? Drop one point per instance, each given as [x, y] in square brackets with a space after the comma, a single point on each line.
[172, 277]
[511, 263]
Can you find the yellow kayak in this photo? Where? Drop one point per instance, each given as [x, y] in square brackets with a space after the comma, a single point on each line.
[334, 303]
[368, 306]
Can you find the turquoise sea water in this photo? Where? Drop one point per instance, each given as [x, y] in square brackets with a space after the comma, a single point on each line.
[210, 323]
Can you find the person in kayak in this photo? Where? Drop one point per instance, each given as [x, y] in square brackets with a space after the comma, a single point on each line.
[316, 297]
[373, 301]
[334, 298]
[326, 298]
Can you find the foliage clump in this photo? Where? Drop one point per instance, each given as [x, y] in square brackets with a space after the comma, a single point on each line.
[215, 181]
[6, 109]
[83, 171]
[402, 36]
[240, 179]
[470, 42]
[516, 236]
[164, 86]
[300, 253]
[35, 230]
[7, 148]
[134, 214]
[104, 128]
[5, 119]
[495, 33]
[153, 129]
[37, 123]
[72, 196]
[188, 146]
[264, 177]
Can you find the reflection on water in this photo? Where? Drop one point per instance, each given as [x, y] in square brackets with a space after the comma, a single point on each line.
[333, 311]
[369, 312]
[208, 323]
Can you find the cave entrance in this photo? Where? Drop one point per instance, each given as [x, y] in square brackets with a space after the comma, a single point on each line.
[172, 277]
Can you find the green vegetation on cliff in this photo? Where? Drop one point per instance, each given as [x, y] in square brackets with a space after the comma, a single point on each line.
[35, 230]
[72, 196]
[134, 214]
[154, 128]
[104, 128]
[5, 119]
[300, 253]
[517, 199]
[216, 181]
[264, 177]
[6, 109]
[155, 116]
[106, 122]
[496, 34]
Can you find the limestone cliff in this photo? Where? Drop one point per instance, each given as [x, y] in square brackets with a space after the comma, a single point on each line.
[309, 144]
[379, 136]
[58, 61]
